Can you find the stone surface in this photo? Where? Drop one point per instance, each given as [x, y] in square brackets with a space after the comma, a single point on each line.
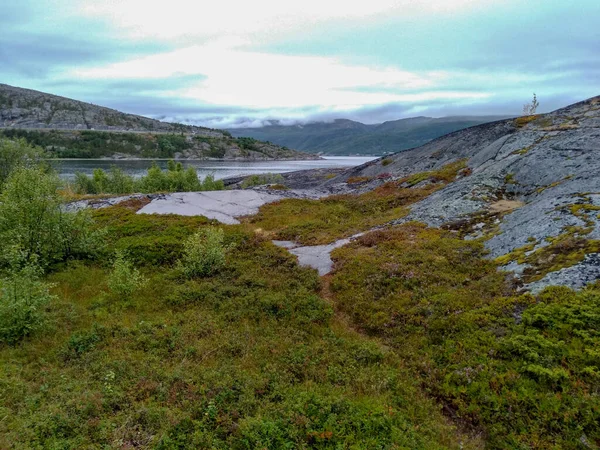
[315, 256]
[224, 206]
[546, 164]
[106, 202]
[575, 277]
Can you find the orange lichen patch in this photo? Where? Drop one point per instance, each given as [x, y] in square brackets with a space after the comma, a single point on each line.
[357, 180]
[520, 122]
[135, 204]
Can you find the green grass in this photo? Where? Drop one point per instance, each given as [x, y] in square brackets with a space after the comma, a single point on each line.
[313, 222]
[523, 370]
[415, 341]
[251, 357]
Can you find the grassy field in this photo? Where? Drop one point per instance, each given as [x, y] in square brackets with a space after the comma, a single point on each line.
[252, 357]
[415, 341]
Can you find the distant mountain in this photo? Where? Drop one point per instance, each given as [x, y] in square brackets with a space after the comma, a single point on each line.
[347, 137]
[72, 129]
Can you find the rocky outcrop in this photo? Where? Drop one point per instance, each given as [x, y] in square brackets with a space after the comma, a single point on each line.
[549, 165]
[72, 129]
[26, 108]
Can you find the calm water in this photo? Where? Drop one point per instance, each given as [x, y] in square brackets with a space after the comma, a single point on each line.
[219, 169]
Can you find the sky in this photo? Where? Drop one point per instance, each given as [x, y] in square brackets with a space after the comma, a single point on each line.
[243, 63]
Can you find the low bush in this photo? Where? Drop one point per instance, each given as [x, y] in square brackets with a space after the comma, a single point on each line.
[524, 370]
[33, 221]
[203, 253]
[124, 278]
[23, 297]
[15, 154]
[174, 179]
[260, 180]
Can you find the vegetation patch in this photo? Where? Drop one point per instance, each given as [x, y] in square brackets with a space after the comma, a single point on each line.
[278, 187]
[116, 181]
[313, 222]
[564, 250]
[522, 369]
[246, 357]
[520, 122]
[358, 180]
[98, 144]
[262, 179]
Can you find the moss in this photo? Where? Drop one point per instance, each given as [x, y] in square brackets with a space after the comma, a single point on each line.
[510, 179]
[278, 187]
[562, 251]
[552, 185]
[522, 151]
[520, 122]
[445, 174]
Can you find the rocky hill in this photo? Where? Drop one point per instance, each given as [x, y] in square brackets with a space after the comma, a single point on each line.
[72, 129]
[530, 188]
[347, 137]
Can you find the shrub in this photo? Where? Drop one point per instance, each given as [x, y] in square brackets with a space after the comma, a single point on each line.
[259, 180]
[22, 299]
[203, 253]
[124, 279]
[386, 162]
[15, 154]
[33, 221]
[174, 179]
[529, 109]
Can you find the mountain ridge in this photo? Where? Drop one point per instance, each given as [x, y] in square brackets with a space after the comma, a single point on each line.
[69, 128]
[346, 137]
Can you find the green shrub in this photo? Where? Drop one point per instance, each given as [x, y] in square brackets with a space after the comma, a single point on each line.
[15, 154]
[203, 253]
[259, 180]
[386, 162]
[33, 221]
[22, 300]
[174, 179]
[124, 279]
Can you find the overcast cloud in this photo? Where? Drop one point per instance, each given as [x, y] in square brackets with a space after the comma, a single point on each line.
[241, 63]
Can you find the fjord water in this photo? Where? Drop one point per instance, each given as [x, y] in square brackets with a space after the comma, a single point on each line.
[219, 169]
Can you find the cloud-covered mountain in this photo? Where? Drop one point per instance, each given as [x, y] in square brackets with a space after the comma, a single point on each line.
[348, 137]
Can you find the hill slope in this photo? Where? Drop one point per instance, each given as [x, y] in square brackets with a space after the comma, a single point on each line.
[70, 128]
[530, 188]
[347, 137]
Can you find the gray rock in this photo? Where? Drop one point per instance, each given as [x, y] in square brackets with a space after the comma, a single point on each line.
[224, 206]
[575, 277]
[548, 164]
[315, 256]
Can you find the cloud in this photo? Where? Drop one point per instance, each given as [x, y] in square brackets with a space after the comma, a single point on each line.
[248, 63]
[184, 20]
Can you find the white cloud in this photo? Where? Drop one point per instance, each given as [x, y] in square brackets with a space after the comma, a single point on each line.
[189, 19]
[231, 76]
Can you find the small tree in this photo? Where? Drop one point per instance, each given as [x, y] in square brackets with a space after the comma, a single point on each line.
[23, 297]
[203, 253]
[124, 279]
[33, 221]
[15, 154]
[529, 109]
